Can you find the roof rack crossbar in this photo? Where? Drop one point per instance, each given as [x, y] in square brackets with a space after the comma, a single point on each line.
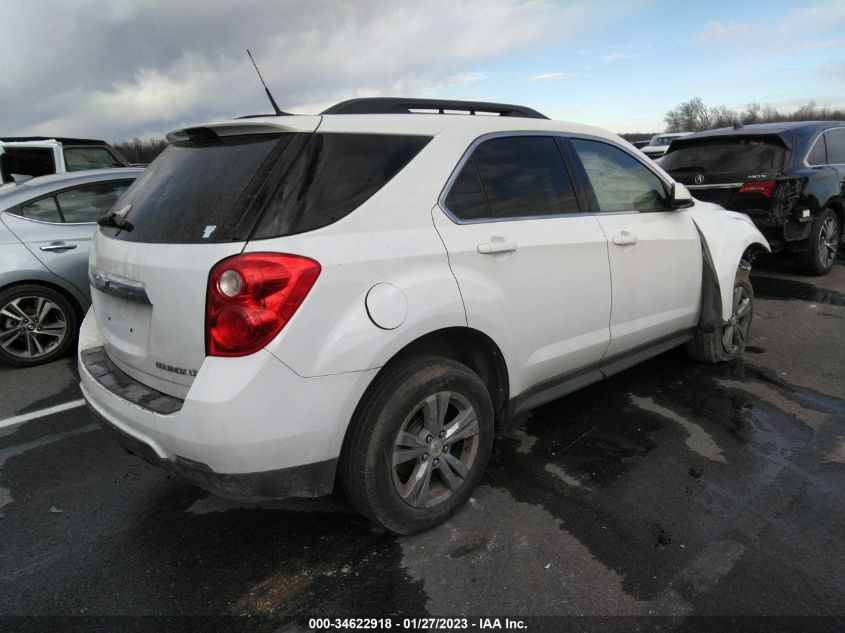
[392, 105]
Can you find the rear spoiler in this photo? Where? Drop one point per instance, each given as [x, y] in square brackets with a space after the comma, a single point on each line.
[238, 127]
[706, 139]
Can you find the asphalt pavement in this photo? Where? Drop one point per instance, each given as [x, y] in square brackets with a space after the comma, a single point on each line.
[673, 489]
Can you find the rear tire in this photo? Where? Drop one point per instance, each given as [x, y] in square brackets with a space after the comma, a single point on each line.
[823, 244]
[419, 443]
[37, 325]
[728, 341]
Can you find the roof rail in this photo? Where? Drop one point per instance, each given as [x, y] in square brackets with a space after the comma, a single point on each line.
[393, 105]
[60, 139]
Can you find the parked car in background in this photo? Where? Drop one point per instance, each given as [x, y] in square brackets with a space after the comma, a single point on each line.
[32, 156]
[658, 144]
[640, 144]
[46, 226]
[283, 302]
[789, 178]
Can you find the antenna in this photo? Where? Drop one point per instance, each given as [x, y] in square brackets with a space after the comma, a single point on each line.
[266, 89]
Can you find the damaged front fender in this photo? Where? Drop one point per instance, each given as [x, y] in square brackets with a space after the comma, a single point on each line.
[726, 237]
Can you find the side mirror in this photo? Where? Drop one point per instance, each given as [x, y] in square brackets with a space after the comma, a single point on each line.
[681, 198]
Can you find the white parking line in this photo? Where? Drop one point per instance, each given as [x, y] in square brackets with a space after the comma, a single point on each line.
[26, 417]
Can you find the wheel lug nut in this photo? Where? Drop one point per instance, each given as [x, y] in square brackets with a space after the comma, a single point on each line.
[442, 434]
[428, 438]
[424, 458]
[436, 461]
[445, 448]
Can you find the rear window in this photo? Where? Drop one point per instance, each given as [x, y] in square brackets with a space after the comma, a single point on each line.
[732, 154]
[82, 158]
[192, 192]
[258, 186]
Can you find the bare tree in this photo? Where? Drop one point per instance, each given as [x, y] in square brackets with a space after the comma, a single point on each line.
[690, 116]
[694, 116]
[141, 151]
[722, 116]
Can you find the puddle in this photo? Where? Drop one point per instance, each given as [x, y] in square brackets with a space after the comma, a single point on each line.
[791, 290]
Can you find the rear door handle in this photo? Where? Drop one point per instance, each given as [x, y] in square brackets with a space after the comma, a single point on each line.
[624, 238]
[58, 247]
[497, 245]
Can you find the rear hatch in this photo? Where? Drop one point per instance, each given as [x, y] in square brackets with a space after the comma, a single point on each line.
[738, 172]
[196, 204]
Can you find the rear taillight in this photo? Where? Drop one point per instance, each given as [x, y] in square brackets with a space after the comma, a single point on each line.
[251, 297]
[763, 188]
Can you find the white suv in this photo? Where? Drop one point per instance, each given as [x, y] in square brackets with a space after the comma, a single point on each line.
[283, 301]
[659, 144]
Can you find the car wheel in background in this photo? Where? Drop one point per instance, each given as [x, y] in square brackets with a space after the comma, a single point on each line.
[823, 244]
[419, 443]
[728, 341]
[37, 325]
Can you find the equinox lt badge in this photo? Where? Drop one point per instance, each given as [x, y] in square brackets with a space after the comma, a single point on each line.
[177, 370]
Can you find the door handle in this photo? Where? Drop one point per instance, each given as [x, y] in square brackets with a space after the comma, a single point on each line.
[497, 245]
[624, 238]
[58, 247]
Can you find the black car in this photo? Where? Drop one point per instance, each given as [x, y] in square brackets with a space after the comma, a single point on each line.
[788, 177]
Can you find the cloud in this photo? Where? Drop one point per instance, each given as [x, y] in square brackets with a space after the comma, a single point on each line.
[618, 57]
[552, 76]
[122, 68]
[800, 29]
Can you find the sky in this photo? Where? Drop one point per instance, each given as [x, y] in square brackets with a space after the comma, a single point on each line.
[116, 69]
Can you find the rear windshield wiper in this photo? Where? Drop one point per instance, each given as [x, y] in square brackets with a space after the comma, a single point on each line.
[116, 221]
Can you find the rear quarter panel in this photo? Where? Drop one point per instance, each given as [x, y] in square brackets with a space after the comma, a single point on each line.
[389, 239]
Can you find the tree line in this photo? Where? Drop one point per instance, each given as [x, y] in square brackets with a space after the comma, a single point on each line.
[690, 116]
[141, 151]
[695, 116]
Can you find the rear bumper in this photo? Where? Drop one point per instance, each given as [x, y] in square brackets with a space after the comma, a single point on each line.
[249, 428]
[311, 480]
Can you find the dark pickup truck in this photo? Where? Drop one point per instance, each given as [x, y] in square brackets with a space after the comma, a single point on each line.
[789, 178]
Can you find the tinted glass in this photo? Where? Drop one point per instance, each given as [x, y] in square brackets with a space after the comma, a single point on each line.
[80, 158]
[835, 146]
[193, 189]
[620, 182]
[466, 199]
[732, 154]
[44, 210]
[332, 176]
[88, 204]
[818, 155]
[524, 177]
[26, 162]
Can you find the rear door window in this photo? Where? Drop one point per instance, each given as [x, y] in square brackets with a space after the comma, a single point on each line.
[620, 182]
[511, 178]
[818, 154]
[332, 176]
[835, 146]
[81, 158]
[88, 204]
[43, 210]
[466, 198]
[730, 154]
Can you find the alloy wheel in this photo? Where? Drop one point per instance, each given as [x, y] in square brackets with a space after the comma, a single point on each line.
[31, 327]
[735, 333]
[435, 449]
[828, 241]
